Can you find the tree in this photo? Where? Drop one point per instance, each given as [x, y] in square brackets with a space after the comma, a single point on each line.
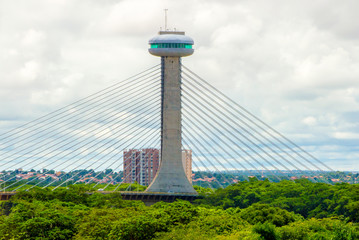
[261, 213]
[326, 228]
[266, 230]
[38, 220]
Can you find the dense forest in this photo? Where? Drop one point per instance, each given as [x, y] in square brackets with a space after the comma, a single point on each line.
[245, 210]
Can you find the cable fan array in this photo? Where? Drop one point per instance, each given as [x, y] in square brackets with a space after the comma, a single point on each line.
[90, 136]
[227, 138]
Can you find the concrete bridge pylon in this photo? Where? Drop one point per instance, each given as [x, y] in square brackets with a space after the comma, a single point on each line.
[171, 177]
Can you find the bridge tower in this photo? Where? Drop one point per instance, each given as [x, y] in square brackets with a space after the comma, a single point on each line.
[171, 46]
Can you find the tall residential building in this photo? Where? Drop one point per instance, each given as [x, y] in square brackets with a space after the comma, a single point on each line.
[187, 163]
[140, 165]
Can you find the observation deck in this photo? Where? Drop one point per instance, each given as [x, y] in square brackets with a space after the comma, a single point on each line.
[171, 44]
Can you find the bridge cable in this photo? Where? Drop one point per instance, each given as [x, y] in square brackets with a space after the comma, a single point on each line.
[117, 134]
[219, 162]
[204, 165]
[209, 152]
[217, 110]
[98, 147]
[100, 158]
[153, 143]
[125, 177]
[234, 122]
[71, 116]
[201, 174]
[212, 100]
[150, 135]
[244, 143]
[234, 143]
[203, 155]
[257, 132]
[135, 107]
[83, 120]
[208, 144]
[88, 98]
[137, 175]
[221, 140]
[262, 122]
[85, 140]
[144, 144]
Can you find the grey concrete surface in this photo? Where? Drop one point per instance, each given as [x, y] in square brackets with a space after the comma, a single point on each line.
[171, 177]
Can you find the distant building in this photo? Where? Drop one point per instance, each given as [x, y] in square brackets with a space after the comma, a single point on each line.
[141, 165]
[187, 163]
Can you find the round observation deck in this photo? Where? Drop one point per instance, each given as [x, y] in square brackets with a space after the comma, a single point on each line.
[171, 44]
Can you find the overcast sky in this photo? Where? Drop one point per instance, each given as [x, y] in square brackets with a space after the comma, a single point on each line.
[294, 64]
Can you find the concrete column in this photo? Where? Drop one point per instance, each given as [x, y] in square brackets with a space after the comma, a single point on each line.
[171, 176]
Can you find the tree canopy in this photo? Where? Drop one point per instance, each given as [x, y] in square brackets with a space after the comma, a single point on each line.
[245, 210]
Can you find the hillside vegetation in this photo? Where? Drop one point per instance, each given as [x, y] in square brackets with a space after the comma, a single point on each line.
[246, 210]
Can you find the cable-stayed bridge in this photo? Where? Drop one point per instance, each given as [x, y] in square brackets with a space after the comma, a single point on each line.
[93, 132]
[85, 141]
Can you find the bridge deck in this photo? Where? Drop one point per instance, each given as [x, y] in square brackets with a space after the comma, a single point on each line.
[6, 195]
[147, 197]
[150, 198]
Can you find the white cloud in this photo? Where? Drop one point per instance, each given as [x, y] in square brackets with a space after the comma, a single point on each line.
[310, 121]
[346, 135]
[30, 71]
[33, 37]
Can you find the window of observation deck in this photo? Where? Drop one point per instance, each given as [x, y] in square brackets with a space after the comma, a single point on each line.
[171, 45]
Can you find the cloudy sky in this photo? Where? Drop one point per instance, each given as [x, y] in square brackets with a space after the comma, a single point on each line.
[294, 64]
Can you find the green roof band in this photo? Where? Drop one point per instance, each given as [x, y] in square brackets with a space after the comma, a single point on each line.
[171, 45]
